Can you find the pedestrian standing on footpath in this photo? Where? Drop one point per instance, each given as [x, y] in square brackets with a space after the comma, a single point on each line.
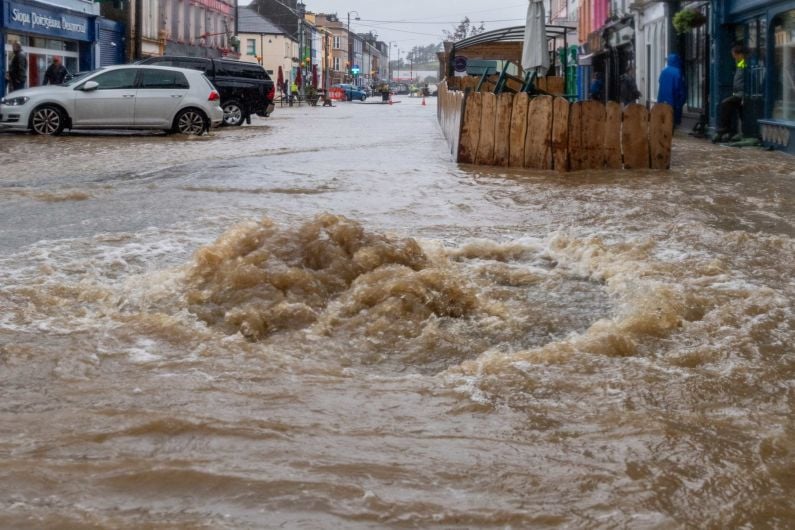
[17, 72]
[628, 89]
[56, 73]
[672, 87]
[293, 92]
[597, 88]
[730, 109]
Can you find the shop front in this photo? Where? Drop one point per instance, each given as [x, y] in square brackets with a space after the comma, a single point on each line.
[45, 32]
[767, 31]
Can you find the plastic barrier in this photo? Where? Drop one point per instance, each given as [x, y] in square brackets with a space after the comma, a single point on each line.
[337, 94]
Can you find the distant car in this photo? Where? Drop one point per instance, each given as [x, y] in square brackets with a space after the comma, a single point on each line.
[352, 92]
[245, 88]
[117, 97]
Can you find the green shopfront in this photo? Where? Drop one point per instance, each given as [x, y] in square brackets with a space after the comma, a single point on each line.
[767, 30]
[46, 31]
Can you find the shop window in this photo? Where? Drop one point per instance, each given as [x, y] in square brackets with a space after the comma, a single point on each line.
[13, 37]
[784, 37]
[753, 35]
[38, 42]
[696, 60]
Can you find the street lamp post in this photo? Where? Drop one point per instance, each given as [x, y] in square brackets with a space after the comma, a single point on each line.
[350, 42]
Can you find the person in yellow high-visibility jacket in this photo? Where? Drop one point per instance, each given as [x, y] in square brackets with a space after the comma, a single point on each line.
[730, 109]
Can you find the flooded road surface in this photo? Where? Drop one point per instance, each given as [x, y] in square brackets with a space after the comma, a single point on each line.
[319, 321]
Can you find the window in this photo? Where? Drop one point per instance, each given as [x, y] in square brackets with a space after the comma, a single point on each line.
[756, 33]
[163, 79]
[784, 38]
[201, 65]
[337, 65]
[116, 79]
[251, 47]
[337, 43]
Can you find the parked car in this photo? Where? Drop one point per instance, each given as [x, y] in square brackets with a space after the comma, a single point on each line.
[117, 97]
[245, 88]
[352, 92]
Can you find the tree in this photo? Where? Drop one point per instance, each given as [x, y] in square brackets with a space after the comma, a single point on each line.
[463, 30]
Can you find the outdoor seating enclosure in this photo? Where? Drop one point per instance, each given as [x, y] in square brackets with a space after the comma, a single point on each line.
[503, 119]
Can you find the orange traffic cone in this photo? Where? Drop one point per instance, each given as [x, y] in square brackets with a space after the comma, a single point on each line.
[423, 101]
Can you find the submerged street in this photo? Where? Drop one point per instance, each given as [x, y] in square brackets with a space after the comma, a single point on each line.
[320, 321]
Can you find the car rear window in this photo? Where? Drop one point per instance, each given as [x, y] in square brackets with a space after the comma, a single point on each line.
[194, 64]
[165, 79]
[231, 69]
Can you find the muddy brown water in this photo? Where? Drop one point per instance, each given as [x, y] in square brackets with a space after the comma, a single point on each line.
[319, 321]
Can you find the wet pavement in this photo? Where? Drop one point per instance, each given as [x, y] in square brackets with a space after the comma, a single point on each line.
[320, 321]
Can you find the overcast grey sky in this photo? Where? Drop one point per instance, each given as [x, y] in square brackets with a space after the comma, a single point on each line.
[419, 22]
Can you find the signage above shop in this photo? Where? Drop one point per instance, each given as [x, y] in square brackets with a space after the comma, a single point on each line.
[46, 21]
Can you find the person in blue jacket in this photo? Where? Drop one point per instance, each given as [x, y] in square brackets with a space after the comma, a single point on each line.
[672, 87]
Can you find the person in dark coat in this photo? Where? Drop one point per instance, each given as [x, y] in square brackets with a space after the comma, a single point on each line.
[55, 73]
[597, 88]
[672, 87]
[17, 73]
[628, 89]
[730, 108]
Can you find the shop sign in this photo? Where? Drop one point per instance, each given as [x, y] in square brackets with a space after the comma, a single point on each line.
[23, 17]
[460, 63]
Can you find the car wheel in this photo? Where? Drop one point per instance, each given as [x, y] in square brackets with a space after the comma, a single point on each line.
[191, 122]
[48, 121]
[364, 97]
[233, 113]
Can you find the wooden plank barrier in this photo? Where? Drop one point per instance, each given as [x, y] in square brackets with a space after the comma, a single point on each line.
[546, 132]
[635, 137]
[586, 135]
[470, 128]
[661, 134]
[502, 130]
[485, 154]
[612, 135]
[560, 134]
[538, 142]
[518, 129]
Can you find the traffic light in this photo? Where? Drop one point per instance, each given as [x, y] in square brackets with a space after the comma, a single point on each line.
[355, 70]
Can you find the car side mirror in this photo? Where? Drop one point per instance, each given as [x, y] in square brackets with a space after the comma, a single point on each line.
[88, 86]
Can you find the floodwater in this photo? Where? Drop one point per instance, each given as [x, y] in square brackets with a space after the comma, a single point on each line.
[320, 321]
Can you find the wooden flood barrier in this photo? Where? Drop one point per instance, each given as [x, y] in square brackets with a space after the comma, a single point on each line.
[548, 132]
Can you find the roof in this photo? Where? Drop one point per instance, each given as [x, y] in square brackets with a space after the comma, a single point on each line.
[249, 21]
[512, 34]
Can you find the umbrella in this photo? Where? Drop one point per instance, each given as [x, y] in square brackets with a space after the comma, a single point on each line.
[280, 79]
[314, 76]
[535, 52]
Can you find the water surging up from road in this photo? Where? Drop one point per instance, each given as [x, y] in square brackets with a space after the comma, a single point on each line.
[383, 296]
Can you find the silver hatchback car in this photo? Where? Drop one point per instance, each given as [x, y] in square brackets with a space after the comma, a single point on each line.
[117, 97]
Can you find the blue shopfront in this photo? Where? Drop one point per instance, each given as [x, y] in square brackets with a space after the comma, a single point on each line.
[46, 31]
[767, 30]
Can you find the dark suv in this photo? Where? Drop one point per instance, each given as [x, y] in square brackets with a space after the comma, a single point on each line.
[245, 88]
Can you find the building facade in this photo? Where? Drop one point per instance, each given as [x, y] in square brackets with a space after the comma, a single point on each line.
[66, 29]
[767, 30]
[265, 43]
[338, 54]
